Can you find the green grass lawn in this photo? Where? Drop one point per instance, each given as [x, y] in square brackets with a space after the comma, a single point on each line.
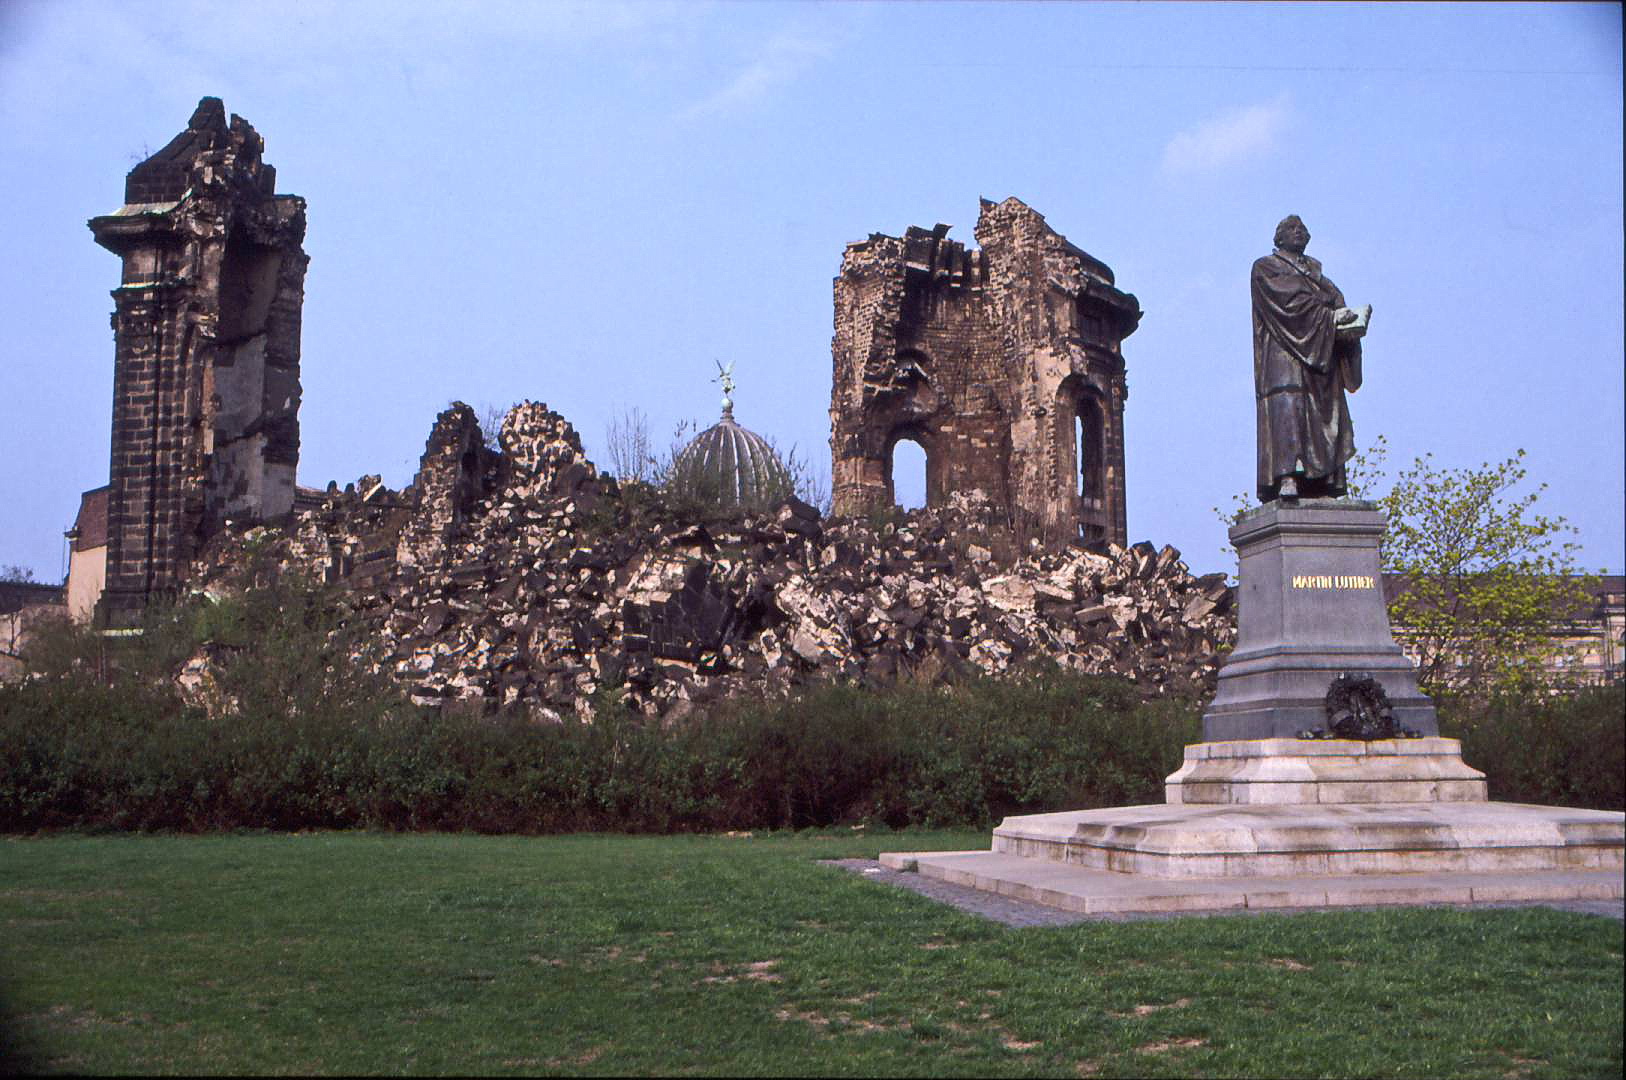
[370, 953]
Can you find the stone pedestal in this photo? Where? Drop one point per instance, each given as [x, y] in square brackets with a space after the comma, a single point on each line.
[1300, 823]
[1296, 807]
[1256, 817]
[1300, 772]
[1306, 822]
[1309, 608]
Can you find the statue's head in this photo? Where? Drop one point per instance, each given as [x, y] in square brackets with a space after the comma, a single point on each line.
[1291, 235]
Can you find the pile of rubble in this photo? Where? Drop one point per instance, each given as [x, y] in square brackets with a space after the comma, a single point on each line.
[522, 576]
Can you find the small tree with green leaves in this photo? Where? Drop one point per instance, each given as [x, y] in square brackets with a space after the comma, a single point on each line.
[1487, 577]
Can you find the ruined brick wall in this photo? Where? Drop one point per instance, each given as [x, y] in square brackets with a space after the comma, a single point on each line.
[206, 328]
[994, 361]
[454, 472]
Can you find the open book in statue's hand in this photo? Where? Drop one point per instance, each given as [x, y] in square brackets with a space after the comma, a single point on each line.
[1352, 320]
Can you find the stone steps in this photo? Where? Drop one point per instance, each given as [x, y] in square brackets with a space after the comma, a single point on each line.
[1196, 841]
[1090, 891]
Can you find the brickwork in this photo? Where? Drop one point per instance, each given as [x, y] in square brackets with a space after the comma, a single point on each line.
[206, 326]
[1004, 364]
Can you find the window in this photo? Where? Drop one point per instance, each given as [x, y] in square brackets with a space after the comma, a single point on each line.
[906, 473]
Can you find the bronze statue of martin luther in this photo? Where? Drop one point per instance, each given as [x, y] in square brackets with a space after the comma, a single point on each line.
[1306, 353]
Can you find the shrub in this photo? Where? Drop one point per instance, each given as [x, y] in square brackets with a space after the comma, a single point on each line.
[296, 750]
[1540, 747]
[296, 736]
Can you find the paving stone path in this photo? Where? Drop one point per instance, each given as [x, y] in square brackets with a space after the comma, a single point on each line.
[1020, 913]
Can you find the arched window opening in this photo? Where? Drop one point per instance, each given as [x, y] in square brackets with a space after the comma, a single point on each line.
[1090, 436]
[907, 471]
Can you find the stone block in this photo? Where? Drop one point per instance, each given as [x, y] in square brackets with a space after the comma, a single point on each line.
[1286, 771]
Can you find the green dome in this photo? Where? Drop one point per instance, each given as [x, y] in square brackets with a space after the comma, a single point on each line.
[730, 466]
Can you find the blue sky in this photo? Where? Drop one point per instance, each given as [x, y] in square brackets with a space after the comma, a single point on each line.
[590, 205]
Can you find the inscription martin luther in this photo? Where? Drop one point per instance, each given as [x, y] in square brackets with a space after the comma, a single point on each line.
[1334, 581]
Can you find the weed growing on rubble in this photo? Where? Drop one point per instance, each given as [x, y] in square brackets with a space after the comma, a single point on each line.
[880, 519]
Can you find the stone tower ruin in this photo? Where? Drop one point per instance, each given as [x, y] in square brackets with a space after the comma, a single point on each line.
[1004, 364]
[206, 354]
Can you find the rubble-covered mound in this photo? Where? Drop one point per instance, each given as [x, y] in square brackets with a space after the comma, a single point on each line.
[525, 577]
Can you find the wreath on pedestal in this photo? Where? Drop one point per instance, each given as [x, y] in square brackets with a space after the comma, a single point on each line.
[1358, 708]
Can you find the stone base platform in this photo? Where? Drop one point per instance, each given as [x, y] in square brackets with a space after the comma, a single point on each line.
[1195, 857]
[1307, 771]
[1075, 888]
[1229, 841]
[1300, 823]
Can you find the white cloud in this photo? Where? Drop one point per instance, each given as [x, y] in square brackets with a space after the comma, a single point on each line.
[1231, 137]
[783, 58]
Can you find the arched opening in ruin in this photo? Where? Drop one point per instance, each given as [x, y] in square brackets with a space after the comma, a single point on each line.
[248, 285]
[1090, 435]
[237, 383]
[907, 468]
[1081, 435]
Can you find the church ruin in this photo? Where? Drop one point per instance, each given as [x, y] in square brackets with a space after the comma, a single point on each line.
[206, 354]
[1004, 364]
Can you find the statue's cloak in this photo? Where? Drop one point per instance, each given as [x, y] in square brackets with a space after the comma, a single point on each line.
[1301, 368]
